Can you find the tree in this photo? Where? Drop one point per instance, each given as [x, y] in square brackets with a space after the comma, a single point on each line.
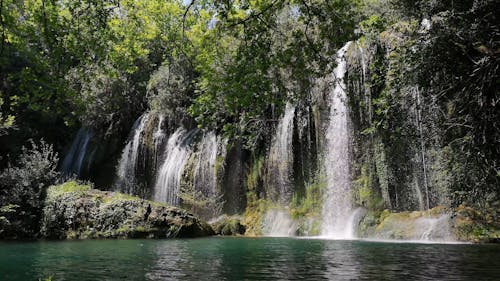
[22, 190]
[266, 53]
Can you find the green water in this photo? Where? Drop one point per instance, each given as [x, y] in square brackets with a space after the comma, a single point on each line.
[246, 259]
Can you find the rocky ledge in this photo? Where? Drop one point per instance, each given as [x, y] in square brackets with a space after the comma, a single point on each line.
[75, 211]
[463, 224]
[228, 226]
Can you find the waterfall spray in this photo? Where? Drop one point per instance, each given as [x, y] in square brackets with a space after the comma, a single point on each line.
[168, 183]
[128, 161]
[73, 162]
[337, 206]
[280, 159]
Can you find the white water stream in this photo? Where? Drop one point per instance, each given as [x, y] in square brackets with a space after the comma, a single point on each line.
[337, 207]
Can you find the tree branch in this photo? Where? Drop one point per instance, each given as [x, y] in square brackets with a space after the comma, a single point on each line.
[255, 15]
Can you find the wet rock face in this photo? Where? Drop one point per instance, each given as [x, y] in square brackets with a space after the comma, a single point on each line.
[431, 225]
[78, 212]
[228, 226]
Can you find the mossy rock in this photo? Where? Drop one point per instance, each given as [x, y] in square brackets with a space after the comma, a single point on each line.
[228, 226]
[476, 226]
[78, 212]
[434, 224]
[309, 226]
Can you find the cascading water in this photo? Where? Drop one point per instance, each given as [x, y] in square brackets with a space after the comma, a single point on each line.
[158, 138]
[424, 205]
[128, 161]
[278, 223]
[73, 162]
[168, 183]
[337, 206]
[280, 158]
[205, 174]
[435, 228]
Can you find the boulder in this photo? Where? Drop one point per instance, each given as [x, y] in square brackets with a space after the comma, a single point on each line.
[75, 211]
[228, 226]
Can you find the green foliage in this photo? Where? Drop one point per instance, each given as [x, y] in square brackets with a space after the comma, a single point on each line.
[254, 213]
[254, 178]
[478, 226]
[310, 205]
[228, 226]
[374, 23]
[267, 52]
[6, 122]
[86, 61]
[171, 89]
[199, 203]
[367, 194]
[25, 185]
[84, 213]
[467, 90]
[450, 57]
[110, 98]
[70, 186]
[231, 66]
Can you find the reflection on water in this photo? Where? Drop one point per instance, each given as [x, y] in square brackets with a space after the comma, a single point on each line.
[344, 266]
[247, 259]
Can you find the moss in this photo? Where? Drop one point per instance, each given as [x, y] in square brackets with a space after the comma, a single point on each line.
[435, 223]
[114, 197]
[368, 223]
[201, 204]
[382, 170]
[75, 212]
[254, 213]
[256, 173]
[366, 195]
[219, 165]
[5, 210]
[256, 207]
[309, 227]
[311, 204]
[229, 225]
[70, 186]
[140, 229]
[306, 209]
[473, 225]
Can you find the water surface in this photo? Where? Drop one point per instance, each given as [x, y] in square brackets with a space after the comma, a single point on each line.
[246, 259]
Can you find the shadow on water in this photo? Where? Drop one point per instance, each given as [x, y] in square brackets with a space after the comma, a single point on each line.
[221, 258]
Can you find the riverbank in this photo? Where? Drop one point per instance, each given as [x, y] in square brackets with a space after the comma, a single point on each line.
[74, 211]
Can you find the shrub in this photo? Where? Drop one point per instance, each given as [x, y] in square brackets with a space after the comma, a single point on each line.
[170, 90]
[23, 187]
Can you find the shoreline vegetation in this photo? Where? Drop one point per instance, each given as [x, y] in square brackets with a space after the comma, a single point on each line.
[75, 211]
[341, 118]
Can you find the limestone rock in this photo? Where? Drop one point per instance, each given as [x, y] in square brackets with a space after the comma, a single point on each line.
[77, 212]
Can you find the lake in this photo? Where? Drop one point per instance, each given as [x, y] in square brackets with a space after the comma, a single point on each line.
[234, 258]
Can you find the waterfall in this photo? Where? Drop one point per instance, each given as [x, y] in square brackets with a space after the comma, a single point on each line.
[205, 179]
[434, 228]
[158, 139]
[168, 183]
[418, 120]
[278, 223]
[337, 206]
[128, 162]
[281, 156]
[205, 173]
[73, 162]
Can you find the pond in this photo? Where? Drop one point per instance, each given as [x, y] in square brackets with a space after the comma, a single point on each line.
[234, 258]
